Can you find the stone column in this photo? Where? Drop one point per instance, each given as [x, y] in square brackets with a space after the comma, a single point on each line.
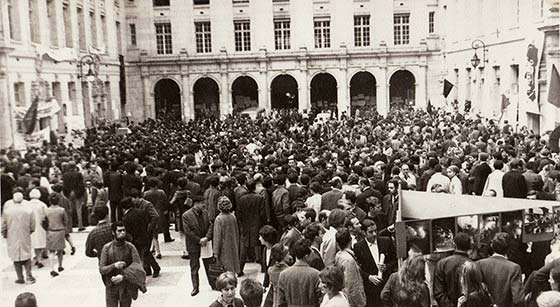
[382, 95]
[7, 124]
[147, 105]
[187, 105]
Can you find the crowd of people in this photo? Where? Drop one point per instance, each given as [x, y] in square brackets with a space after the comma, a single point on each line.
[314, 202]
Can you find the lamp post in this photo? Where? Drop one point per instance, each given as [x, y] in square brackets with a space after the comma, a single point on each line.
[91, 62]
[475, 60]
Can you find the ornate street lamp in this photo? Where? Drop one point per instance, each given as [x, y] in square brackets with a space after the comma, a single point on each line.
[475, 60]
[91, 61]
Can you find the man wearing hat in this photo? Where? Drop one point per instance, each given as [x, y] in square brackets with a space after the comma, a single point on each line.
[198, 229]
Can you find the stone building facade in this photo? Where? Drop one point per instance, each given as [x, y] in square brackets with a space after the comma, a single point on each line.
[45, 40]
[221, 56]
[512, 31]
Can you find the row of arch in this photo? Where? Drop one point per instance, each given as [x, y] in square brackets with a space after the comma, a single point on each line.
[284, 94]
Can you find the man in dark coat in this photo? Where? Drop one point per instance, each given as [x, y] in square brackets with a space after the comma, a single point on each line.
[192, 185]
[130, 180]
[329, 200]
[113, 181]
[294, 188]
[502, 276]
[75, 190]
[198, 231]
[368, 256]
[480, 173]
[447, 286]
[211, 196]
[367, 191]
[390, 202]
[513, 182]
[136, 222]
[280, 202]
[250, 215]
[240, 190]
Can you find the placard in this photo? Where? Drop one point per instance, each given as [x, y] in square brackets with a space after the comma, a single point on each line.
[443, 233]
[413, 233]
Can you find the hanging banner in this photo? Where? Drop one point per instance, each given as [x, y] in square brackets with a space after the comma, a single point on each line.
[530, 70]
[35, 139]
[44, 109]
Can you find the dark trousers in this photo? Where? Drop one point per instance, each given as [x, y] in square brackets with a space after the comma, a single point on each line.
[117, 296]
[19, 265]
[116, 211]
[195, 266]
[244, 251]
[148, 260]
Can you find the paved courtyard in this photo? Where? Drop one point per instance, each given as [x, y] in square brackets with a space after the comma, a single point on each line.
[80, 285]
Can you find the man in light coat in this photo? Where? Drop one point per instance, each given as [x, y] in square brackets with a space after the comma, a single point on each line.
[17, 225]
[494, 180]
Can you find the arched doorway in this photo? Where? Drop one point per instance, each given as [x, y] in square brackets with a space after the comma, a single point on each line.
[206, 98]
[244, 94]
[284, 93]
[363, 92]
[167, 96]
[324, 96]
[402, 90]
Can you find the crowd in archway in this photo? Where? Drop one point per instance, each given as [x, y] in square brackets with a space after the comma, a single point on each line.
[313, 201]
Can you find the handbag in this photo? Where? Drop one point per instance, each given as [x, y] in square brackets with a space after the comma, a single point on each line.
[214, 270]
[45, 223]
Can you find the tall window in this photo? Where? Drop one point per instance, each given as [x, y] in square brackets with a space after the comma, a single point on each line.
[81, 29]
[67, 25]
[401, 29]
[242, 33]
[53, 31]
[282, 34]
[104, 30]
[132, 28]
[13, 19]
[93, 29]
[163, 38]
[119, 37]
[72, 97]
[431, 25]
[203, 35]
[19, 94]
[161, 2]
[34, 30]
[322, 31]
[361, 31]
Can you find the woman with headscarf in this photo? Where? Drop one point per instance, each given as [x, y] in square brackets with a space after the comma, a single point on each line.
[226, 236]
[39, 236]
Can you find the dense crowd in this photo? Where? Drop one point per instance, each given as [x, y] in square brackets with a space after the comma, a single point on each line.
[313, 201]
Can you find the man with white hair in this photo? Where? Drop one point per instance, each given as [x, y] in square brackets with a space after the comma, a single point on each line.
[17, 225]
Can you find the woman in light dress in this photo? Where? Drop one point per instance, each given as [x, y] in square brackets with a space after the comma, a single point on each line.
[56, 232]
[39, 236]
[331, 285]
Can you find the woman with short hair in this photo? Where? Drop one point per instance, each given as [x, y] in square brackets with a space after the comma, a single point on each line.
[56, 232]
[225, 241]
[226, 284]
[331, 285]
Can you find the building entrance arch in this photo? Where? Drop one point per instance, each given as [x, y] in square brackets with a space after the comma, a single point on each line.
[167, 96]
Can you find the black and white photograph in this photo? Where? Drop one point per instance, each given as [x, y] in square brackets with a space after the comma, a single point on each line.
[538, 224]
[219, 152]
[443, 233]
[512, 223]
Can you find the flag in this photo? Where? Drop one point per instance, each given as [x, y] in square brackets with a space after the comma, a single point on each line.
[447, 86]
[30, 117]
[554, 87]
[429, 108]
[505, 103]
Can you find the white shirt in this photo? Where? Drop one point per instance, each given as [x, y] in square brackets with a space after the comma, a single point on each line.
[440, 179]
[267, 252]
[456, 187]
[314, 202]
[374, 250]
[494, 182]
